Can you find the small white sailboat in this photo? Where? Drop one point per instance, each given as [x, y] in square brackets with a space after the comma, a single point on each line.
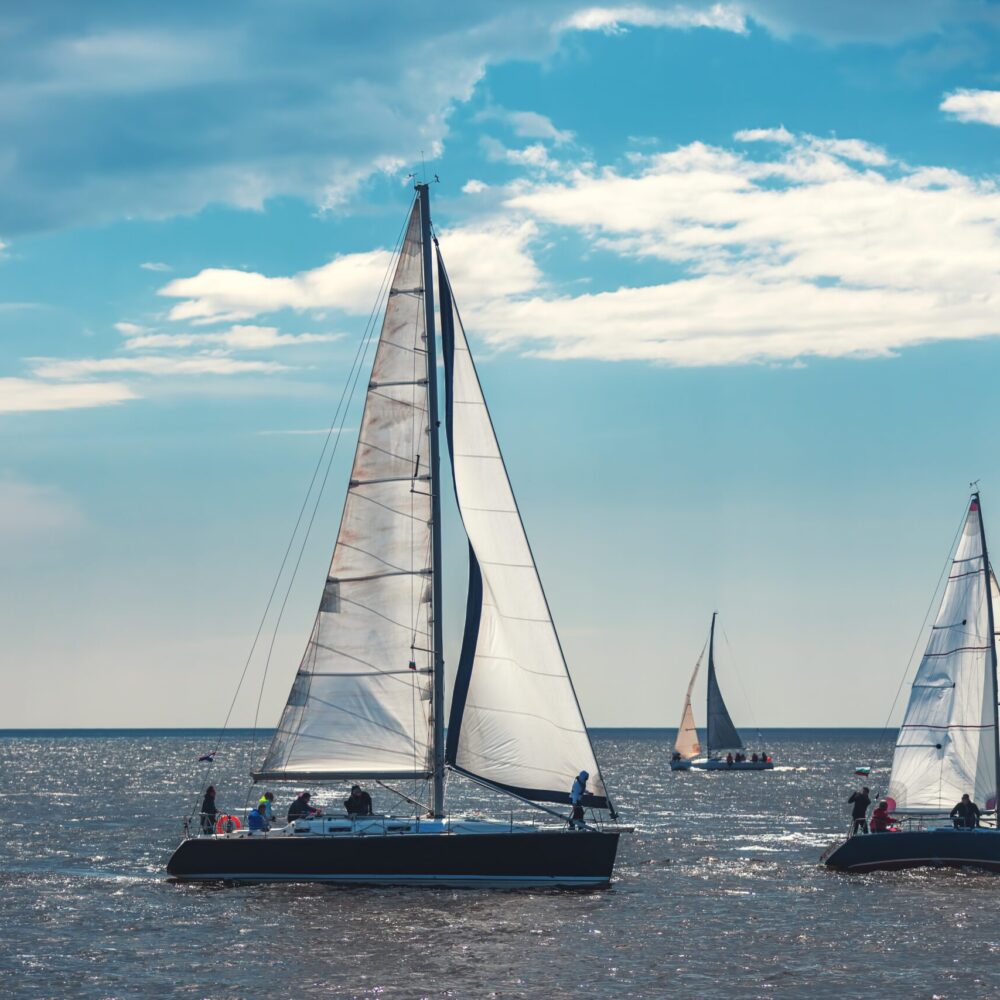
[720, 733]
[367, 701]
[948, 744]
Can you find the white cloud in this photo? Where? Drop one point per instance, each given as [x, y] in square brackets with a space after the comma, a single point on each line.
[23, 395]
[527, 124]
[973, 106]
[780, 134]
[535, 156]
[473, 186]
[725, 17]
[207, 364]
[152, 265]
[236, 338]
[222, 295]
[490, 259]
[827, 248]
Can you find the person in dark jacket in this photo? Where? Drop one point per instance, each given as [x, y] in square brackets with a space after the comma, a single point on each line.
[859, 814]
[965, 815]
[209, 811]
[577, 794]
[301, 809]
[359, 803]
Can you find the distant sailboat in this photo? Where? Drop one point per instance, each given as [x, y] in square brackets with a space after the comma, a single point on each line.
[368, 700]
[720, 733]
[947, 745]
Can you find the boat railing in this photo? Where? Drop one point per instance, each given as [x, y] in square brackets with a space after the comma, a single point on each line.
[922, 822]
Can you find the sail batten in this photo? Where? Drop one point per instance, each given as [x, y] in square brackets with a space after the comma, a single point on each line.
[515, 720]
[947, 742]
[360, 703]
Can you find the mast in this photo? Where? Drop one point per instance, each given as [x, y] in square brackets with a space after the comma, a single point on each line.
[711, 674]
[993, 645]
[423, 193]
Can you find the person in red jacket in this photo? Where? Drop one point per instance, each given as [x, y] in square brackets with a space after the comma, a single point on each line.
[881, 821]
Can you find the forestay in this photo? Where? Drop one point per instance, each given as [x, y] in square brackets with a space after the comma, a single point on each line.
[515, 721]
[720, 733]
[687, 744]
[360, 704]
[946, 745]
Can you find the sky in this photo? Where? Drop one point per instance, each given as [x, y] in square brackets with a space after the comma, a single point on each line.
[731, 272]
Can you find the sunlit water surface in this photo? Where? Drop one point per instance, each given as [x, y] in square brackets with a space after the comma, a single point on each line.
[718, 893]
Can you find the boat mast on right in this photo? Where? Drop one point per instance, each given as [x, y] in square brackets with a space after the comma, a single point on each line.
[947, 745]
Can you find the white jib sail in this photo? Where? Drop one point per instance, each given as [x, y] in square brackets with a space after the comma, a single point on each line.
[687, 744]
[520, 725]
[947, 741]
[360, 704]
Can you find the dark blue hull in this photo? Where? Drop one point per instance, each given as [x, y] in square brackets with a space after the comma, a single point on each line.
[557, 859]
[939, 848]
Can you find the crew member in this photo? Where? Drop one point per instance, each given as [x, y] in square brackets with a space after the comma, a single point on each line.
[209, 811]
[966, 814]
[859, 814]
[576, 796]
[359, 803]
[301, 809]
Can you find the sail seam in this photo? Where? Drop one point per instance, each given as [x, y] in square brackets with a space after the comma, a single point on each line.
[959, 649]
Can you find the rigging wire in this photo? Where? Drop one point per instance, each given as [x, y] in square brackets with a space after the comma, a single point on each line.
[739, 678]
[358, 359]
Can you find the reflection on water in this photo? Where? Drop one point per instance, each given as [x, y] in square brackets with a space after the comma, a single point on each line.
[718, 893]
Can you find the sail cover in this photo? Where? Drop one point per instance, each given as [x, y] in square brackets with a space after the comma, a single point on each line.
[360, 703]
[687, 744]
[947, 742]
[721, 734]
[515, 720]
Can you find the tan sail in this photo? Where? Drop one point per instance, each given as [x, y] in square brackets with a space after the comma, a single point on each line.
[687, 744]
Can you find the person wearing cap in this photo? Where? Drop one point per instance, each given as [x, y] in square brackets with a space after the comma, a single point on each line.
[359, 803]
[301, 809]
[576, 796]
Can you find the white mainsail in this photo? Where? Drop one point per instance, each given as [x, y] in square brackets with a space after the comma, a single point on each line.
[515, 720]
[360, 703]
[687, 744]
[947, 743]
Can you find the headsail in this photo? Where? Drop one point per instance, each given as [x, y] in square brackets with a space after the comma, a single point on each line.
[687, 744]
[720, 733]
[947, 743]
[515, 720]
[360, 704]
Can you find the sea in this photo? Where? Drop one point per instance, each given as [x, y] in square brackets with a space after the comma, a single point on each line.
[719, 892]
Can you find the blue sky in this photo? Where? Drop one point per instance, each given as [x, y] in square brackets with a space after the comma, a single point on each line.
[730, 270]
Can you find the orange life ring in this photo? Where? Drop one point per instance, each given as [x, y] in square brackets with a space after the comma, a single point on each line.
[227, 824]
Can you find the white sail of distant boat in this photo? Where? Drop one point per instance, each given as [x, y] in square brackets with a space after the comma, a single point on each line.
[687, 745]
[720, 733]
[947, 742]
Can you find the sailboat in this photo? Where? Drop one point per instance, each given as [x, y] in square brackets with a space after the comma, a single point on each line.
[947, 744]
[720, 733]
[367, 701]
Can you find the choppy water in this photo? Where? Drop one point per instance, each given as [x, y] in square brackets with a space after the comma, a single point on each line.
[718, 893]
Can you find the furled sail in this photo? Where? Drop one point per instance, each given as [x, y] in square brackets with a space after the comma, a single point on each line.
[515, 720]
[946, 745]
[360, 703]
[720, 734]
[687, 744]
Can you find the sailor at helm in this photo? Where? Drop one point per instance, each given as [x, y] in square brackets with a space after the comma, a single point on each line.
[576, 794]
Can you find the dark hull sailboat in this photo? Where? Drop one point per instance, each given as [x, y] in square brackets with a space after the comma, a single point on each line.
[720, 733]
[367, 702]
[540, 858]
[941, 848]
[947, 745]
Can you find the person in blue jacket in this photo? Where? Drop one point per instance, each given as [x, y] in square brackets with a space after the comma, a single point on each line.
[257, 821]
